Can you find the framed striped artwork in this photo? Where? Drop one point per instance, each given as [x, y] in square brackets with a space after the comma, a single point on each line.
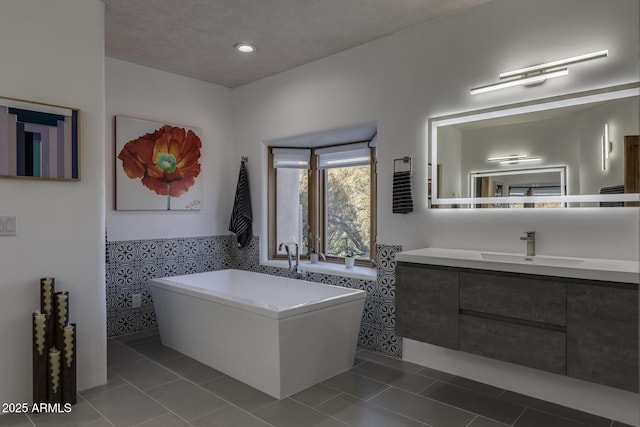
[38, 140]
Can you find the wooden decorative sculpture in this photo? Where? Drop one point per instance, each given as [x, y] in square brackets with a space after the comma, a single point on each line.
[40, 355]
[47, 290]
[61, 317]
[55, 380]
[69, 394]
[54, 348]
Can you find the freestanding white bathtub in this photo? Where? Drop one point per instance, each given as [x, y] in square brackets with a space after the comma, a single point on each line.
[275, 334]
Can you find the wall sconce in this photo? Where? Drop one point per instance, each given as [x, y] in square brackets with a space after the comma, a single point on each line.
[606, 145]
[537, 73]
[513, 159]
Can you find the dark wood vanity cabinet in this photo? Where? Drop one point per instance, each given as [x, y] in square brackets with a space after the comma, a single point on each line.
[580, 328]
[427, 304]
[514, 295]
[514, 318]
[522, 344]
[602, 333]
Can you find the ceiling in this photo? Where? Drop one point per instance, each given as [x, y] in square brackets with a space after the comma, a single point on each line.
[196, 38]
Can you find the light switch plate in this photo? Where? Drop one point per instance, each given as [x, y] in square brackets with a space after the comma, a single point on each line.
[8, 226]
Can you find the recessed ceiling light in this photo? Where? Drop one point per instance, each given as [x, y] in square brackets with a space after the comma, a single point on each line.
[245, 47]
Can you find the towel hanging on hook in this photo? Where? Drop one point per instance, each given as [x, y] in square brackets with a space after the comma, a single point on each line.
[241, 215]
[402, 197]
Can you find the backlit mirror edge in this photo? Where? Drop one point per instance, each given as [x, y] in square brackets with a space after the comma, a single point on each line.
[601, 94]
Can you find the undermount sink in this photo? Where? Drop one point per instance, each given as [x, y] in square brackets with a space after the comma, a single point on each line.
[537, 259]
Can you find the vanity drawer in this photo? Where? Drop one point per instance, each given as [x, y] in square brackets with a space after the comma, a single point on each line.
[518, 297]
[524, 345]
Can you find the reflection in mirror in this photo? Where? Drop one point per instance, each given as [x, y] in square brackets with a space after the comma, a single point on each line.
[548, 153]
[520, 182]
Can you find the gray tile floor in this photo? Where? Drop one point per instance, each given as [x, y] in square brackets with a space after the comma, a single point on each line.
[152, 385]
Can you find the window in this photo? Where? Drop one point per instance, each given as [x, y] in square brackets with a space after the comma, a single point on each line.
[290, 169]
[324, 200]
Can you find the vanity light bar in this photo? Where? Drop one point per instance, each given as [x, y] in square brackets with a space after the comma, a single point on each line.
[514, 161]
[555, 64]
[525, 80]
[606, 146]
[512, 157]
[603, 160]
[538, 73]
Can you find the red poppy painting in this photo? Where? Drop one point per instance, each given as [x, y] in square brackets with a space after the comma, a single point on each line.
[157, 166]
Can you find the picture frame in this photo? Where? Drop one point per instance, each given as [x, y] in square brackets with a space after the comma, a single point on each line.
[157, 165]
[39, 141]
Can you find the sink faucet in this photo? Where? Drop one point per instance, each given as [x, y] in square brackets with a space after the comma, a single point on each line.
[530, 237]
[290, 255]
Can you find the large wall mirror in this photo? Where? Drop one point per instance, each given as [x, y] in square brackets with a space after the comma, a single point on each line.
[569, 151]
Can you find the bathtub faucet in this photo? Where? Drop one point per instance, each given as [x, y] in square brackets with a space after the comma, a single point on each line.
[289, 254]
[530, 238]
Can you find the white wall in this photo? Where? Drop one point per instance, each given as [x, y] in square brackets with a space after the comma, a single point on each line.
[401, 80]
[53, 52]
[622, 117]
[141, 92]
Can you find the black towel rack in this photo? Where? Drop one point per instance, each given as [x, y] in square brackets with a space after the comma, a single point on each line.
[404, 161]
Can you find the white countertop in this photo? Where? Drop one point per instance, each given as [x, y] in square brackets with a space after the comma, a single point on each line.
[580, 268]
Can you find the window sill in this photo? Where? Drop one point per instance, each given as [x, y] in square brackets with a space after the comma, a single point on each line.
[357, 272]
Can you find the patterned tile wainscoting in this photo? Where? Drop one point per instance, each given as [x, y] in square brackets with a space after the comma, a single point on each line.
[131, 264]
[384, 303]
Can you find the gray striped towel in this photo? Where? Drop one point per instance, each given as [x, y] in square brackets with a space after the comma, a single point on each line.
[242, 216]
[402, 197]
[616, 189]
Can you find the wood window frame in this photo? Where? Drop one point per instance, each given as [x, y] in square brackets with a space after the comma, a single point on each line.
[317, 207]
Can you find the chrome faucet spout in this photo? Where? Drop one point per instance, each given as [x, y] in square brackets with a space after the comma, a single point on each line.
[289, 254]
[530, 237]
